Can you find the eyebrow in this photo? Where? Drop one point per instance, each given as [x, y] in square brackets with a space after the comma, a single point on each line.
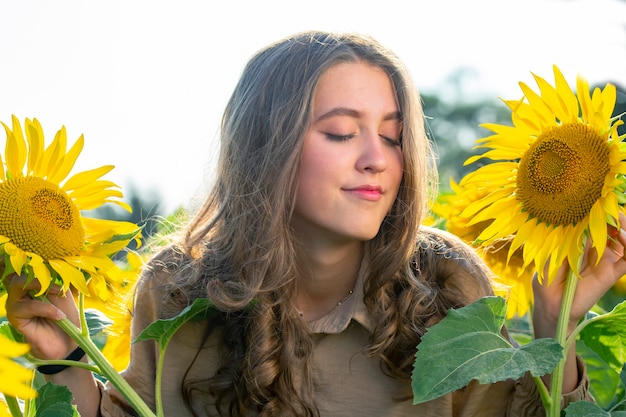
[344, 111]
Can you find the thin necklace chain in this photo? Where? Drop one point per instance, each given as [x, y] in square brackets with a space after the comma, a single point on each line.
[345, 298]
[340, 302]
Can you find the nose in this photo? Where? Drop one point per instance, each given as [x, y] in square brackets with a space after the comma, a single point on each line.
[373, 154]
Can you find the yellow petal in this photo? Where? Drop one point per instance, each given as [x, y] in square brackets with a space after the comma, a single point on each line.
[566, 95]
[4, 409]
[510, 225]
[609, 97]
[485, 173]
[85, 178]
[610, 205]
[597, 228]
[541, 111]
[99, 287]
[523, 235]
[553, 100]
[91, 263]
[54, 152]
[41, 271]
[18, 256]
[506, 202]
[69, 275]
[15, 149]
[66, 164]
[584, 98]
[2, 176]
[34, 135]
[15, 379]
[549, 244]
[472, 209]
[103, 230]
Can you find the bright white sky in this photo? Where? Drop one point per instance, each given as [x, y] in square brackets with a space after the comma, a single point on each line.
[146, 81]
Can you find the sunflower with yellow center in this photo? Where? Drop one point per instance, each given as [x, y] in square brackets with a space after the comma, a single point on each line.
[558, 176]
[513, 281]
[42, 231]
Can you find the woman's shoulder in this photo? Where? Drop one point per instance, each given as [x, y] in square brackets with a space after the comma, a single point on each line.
[166, 260]
[451, 264]
[443, 243]
[163, 264]
[161, 275]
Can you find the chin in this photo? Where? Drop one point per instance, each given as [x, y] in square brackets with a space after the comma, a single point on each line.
[365, 237]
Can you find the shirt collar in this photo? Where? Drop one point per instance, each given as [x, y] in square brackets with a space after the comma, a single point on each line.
[353, 308]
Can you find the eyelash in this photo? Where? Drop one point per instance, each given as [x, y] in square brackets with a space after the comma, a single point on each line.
[340, 138]
[393, 142]
[343, 138]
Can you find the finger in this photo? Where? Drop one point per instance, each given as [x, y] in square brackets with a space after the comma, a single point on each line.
[24, 310]
[621, 238]
[19, 285]
[33, 285]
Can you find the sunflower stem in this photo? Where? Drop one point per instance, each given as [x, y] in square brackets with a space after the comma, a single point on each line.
[105, 367]
[77, 364]
[84, 328]
[159, 382]
[556, 382]
[28, 403]
[14, 406]
[543, 392]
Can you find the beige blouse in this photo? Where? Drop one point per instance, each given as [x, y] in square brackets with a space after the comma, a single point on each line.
[349, 383]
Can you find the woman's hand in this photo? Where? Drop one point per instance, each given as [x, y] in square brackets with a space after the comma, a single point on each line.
[36, 319]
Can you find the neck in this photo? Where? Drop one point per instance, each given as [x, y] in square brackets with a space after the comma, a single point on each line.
[332, 274]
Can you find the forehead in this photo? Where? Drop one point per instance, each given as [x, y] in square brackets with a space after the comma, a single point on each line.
[355, 84]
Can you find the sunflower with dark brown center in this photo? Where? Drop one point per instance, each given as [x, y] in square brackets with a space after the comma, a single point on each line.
[557, 176]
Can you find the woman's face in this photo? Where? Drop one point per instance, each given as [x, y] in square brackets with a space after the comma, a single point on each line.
[351, 164]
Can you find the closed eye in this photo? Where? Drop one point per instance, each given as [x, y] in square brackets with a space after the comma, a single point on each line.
[340, 138]
[394, 142]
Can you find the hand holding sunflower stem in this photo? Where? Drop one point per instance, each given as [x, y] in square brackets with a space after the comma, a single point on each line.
[573, 297]
[104, 367]
[555, 186]
[53, 322]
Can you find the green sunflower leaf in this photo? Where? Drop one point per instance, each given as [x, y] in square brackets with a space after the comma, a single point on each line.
[468, 345]
[606, 335]
[54, 401]
[8, 331]
[163, 330]
[603, 385]
[98, 323]
[587, 409]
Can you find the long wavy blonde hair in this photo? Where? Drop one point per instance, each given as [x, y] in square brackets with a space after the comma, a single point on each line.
[240, 248]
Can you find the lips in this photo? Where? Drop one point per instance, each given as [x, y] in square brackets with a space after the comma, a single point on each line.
[366, 192]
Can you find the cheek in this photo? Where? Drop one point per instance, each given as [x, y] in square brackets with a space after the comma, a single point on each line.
[313, 174]
[309, 168]
[321, 160]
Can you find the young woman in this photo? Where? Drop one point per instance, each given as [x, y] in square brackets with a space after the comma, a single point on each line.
[322, 183]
